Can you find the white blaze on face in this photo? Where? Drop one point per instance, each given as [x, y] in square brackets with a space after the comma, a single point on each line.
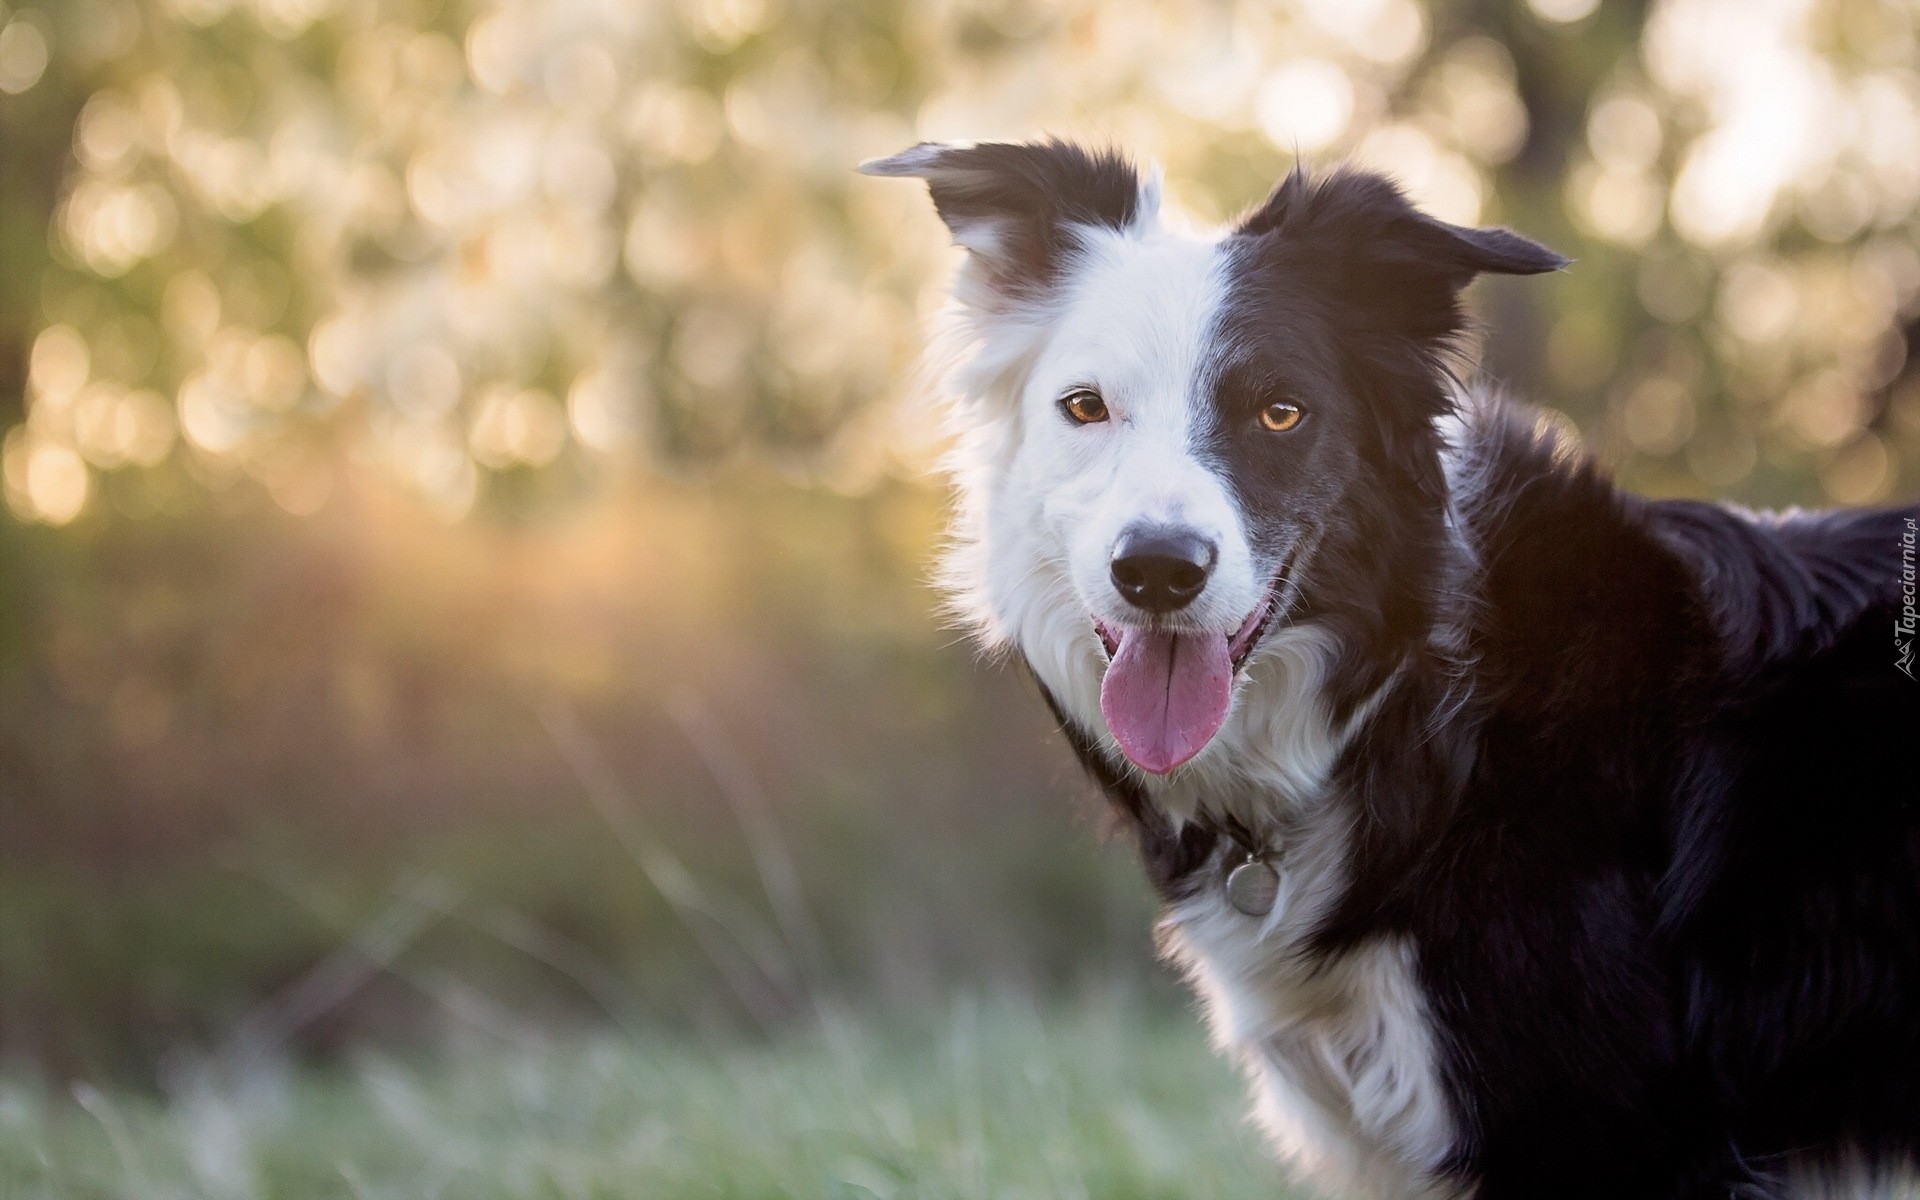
[1136, 320]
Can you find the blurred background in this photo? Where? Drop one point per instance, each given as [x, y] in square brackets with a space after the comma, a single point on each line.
[467, 501]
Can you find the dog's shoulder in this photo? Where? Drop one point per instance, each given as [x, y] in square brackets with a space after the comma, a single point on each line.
[1575, 590]
[1581, 582]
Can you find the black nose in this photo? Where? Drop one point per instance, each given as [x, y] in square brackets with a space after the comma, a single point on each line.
[1161, 568]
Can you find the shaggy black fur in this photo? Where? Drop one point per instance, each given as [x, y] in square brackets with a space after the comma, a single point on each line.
[1645, 792]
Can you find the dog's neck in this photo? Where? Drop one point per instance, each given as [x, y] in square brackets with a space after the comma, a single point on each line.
[1306, 716]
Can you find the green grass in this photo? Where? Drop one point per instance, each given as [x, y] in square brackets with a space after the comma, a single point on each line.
[991, 1101]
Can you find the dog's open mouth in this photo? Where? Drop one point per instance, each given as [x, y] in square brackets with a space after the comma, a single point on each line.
[1166, 692]
[1239, 646]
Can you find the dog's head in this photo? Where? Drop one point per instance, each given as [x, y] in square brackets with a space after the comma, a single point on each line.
[1168, 437]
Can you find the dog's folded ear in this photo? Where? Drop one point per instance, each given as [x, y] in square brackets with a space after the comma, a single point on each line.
[1017, 207]
[1359, 235]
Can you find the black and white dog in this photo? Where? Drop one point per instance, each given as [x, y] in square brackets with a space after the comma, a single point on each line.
[1524, 838]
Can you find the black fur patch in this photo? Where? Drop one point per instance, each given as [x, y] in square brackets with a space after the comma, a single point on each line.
[1344, 300]
[1671, 919]
[1353, 236]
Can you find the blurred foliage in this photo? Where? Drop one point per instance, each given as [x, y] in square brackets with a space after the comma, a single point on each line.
[1095, 1100]
[387, 380]
[311, 790]
[488, 248]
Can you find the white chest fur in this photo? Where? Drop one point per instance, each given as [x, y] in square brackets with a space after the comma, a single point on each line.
[1341, 1053]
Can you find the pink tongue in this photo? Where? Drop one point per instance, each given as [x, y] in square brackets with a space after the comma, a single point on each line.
[1166, 694]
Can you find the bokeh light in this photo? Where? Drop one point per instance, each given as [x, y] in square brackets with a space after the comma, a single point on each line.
[23, 54]
[572, 237]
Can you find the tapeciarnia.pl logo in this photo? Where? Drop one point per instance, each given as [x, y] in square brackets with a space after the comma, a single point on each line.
[1905, 624]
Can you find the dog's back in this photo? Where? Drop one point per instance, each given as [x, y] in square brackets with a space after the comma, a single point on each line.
[1792, 902]
[1697, 738]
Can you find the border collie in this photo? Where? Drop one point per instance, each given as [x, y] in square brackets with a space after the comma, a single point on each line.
[1522, 837]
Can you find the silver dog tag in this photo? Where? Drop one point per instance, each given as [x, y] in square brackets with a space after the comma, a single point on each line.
[1253, 886]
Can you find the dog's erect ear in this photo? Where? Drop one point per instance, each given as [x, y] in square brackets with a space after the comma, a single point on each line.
[1016, 207]
[1378, 251]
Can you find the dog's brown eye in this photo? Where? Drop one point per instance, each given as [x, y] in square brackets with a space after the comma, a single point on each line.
[1085, 406]
[1280, 416]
